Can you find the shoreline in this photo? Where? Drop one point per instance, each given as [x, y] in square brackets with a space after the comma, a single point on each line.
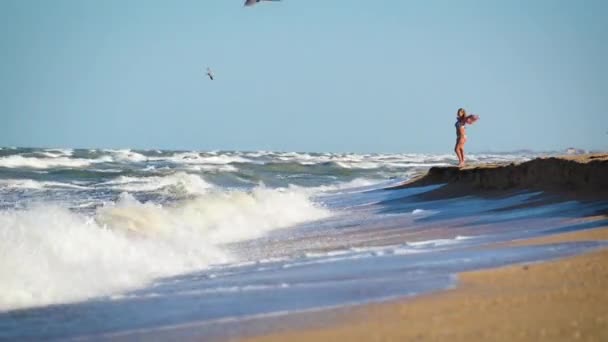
[561, 299]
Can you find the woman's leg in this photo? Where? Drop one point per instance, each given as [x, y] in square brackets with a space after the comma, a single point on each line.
[462, 159]
[462, 155]
[460, 151]
[457, 150]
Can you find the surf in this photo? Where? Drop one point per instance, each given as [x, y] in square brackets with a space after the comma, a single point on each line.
[53, 255]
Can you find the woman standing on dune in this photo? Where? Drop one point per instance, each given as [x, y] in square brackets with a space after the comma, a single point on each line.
[461, 134]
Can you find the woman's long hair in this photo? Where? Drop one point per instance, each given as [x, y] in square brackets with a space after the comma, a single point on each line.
[461, 114]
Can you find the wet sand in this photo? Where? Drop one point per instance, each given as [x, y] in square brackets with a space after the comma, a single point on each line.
[561, 300]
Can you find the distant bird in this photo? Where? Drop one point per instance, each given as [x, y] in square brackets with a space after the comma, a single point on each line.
[210, 74]
[253, 2]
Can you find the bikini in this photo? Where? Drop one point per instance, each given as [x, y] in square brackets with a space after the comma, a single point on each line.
[459, 124]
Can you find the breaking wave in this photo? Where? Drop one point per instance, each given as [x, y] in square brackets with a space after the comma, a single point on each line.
[50, 255]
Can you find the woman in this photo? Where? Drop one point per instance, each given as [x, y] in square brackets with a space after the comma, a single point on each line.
[461, 134]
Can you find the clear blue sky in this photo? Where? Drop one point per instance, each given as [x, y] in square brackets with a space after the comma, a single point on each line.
[303, 75]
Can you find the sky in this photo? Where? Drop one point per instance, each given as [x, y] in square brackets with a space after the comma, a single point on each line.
[304, 75]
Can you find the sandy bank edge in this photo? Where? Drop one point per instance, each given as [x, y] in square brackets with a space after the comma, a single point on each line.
[560, 300]
[584, 175]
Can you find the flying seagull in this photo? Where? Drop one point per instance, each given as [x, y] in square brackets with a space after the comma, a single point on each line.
[210, 74]
[253, 2]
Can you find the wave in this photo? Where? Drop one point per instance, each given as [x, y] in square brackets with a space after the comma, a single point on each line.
[56, 152]
[126, 155]
[347, 187]
[438, 242]
[207, 158]
[212, 168]
[337, 164]
[205, 291]
[179, 182]
[37, 185]
[221, 217]
[18, 161]
[354, 253]
[53, 255]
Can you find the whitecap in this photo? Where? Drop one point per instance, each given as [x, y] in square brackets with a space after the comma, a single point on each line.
[17, 161]
[179, 182]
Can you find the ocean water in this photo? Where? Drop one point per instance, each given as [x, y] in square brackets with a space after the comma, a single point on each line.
[111, 244]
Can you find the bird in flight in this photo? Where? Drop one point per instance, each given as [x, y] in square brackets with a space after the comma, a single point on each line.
[253, 2]
[210, 74]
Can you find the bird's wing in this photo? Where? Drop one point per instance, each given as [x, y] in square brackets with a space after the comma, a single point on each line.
[250, 2]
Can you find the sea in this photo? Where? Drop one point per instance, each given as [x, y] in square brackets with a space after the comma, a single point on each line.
[102, 244]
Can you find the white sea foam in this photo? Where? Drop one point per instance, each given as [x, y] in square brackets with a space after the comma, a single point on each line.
[219, 216]
[127, 155]
[355, 185]
[212, 160]
[313, 258]
[197, 158]
[15, 161]
[179, 182]
[205, 291]
[49, 254]
[357, 164]
[58, 152]
[212, 168]
[366, 161]
[329, 259]
[32, 184]
[438, 242]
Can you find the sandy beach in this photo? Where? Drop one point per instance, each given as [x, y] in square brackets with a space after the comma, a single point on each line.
[560, 300]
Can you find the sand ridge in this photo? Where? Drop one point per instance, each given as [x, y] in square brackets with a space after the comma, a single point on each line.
[583, 173]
